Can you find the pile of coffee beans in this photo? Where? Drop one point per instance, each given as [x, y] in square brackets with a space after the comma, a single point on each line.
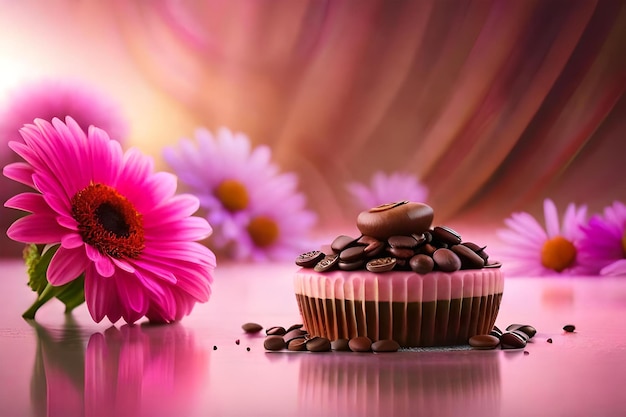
[438, 249]
[515, 337]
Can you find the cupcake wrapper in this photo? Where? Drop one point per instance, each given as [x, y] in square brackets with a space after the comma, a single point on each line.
[415, 310]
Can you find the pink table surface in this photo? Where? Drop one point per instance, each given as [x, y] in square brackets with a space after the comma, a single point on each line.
[66, 366]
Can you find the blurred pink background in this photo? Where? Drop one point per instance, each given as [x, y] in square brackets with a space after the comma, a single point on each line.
[494, 105]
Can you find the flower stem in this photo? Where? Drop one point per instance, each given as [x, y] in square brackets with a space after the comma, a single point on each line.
[44, 297]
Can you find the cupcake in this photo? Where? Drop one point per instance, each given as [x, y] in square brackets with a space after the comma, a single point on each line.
[400, 279]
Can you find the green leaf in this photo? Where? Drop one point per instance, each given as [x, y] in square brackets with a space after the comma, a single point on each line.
[38, 259]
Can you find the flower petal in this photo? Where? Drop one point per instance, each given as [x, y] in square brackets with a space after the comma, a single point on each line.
[66, 265]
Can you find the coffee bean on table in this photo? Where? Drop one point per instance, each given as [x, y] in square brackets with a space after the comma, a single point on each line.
[496, 332]
[385, 345]
[381, 264]
[446, 260]
[513, 340]
[529, 330]
[295, 326]
[360, 344]
[294, 334]
[329, 262]
[484, 341]
[310, 259]
[569, 328]
[297, 345]
[422, 264]
[318, 344]
[276, 331]
[274, 343]
[251, 327]
[340, 345]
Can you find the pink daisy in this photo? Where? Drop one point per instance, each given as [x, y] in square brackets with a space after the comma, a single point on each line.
[385, 188]
[257, 212]
[46, 100]
[603, 245]
[529, 249]
[113, 221]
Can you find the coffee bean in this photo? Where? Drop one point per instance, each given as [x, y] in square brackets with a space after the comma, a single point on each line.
[421, 238]
[274, 343]
[484, 341]
[351, 266]
[569, 328]
[251, 327]
[275, 331]
[469, 258]
[549, 340]
[513, 340]
[446, 260]
[295, 326]
[402, 253]
[360, 344]
[407, 242]
[342, 242]
[493, 265]
[426, 249]
[422, 264]
[385, 345]
[297, 344]
[309, 259]
[529, 330]
[340, 345]
[329, 262]
[496, 332]
[294, 334]
[318, 344]
[373, 246]
[381, 264]
[446, 235]
[352, 254]
[480, 250]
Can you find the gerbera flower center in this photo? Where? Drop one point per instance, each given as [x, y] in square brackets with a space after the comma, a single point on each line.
[233, 195]
[108, 221]
[558, 253]
[263, 231]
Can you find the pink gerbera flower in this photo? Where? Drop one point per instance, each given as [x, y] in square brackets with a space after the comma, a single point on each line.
[257, 212]
[111, 220]
[603, 246]
[46, 100]
[385, 188]
[529, 249]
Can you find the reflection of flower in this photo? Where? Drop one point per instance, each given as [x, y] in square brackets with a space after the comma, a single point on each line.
[131, 371]
[46, 100]
[111, 218]
[531, 250]
[603, 245]
[385, 188]
[256, 211]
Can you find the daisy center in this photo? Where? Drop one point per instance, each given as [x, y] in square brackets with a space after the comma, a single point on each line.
[558, 253]
[233, 195]
[263, 231]
[108, 221]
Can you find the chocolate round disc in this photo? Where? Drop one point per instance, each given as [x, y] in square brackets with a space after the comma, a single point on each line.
[401, 218]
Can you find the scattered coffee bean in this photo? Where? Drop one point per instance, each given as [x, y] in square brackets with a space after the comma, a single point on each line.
[484, 341]
[549, 340]
[385, 345]
[309, 259]
[294, 334]
[526, 352]
[251, 327]
[295, 326]
[248, 349]
[496, 332]
[513, 340]
[530, 331]
[360, 344]
[237, 342]
[297, 345]
[340, 345]
[274, 342]
[276, 331]
[569, 328]
[318, 344]
[214, 347]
